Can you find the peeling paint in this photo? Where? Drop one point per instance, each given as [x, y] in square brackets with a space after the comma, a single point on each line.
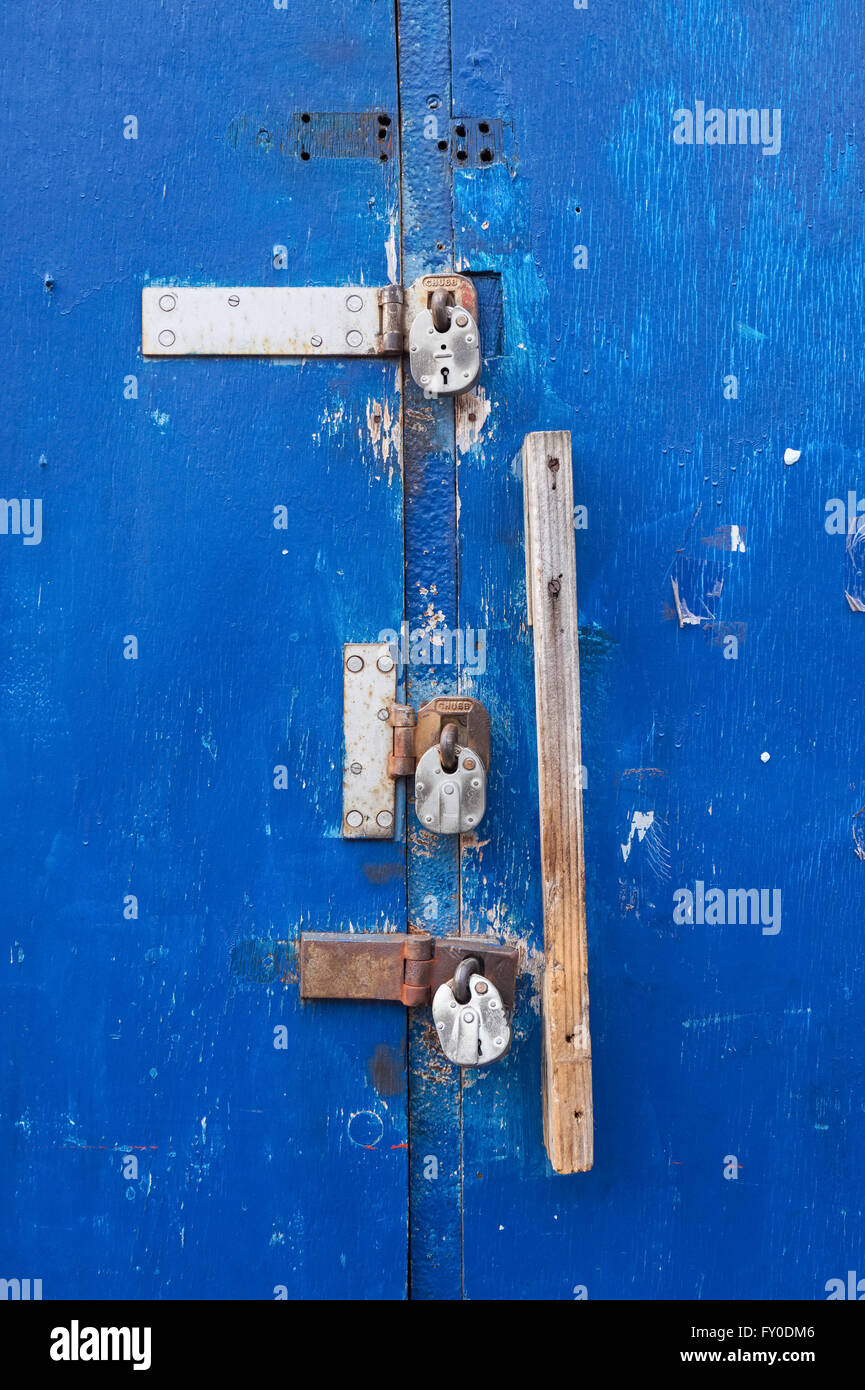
[472, 412]
[641, 822]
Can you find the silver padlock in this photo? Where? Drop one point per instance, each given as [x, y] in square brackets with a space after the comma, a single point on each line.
[445, 362]
[450, 802]
[475, 1033]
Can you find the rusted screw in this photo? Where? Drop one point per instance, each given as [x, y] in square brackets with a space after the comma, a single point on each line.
[554, 587]
[481, 987]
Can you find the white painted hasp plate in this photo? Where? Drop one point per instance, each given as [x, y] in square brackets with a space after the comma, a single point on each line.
[244, 321]
[368, 793]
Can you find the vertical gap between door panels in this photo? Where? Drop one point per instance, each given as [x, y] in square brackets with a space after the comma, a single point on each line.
[457, 615]
[455, 563]
[401, 372]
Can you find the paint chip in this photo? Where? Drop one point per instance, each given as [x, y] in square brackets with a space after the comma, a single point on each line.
[792, 456]
[764, 757]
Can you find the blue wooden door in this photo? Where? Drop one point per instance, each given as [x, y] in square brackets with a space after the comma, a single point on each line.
[690, 310]
[189, 543]
[174, 1124]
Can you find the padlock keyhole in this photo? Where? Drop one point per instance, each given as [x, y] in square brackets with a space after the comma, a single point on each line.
[445, 375]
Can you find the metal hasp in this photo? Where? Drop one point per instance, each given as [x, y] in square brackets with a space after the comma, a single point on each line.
[445, 746]
[324, 321]
[408, 967]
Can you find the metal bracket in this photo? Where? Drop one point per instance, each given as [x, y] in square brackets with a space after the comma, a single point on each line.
[368, 789]
[406, 967]
[291, 321]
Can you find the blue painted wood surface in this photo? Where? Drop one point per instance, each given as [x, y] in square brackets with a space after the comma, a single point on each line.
[264, 1170]
[260, 1171]
[702, 263]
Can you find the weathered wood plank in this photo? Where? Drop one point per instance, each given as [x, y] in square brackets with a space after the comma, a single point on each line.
[551, 567]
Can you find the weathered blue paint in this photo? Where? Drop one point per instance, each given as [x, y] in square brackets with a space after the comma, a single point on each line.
[431, 604]
[258, 1169]
[702, 263]
[152, 1037]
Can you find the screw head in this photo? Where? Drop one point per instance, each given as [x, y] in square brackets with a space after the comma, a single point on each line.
[355, 663]
[354, 337]
[384, 819]
[166, 337]
[462, 320]
[418, 786]
[449, 791]
[468, 1016]
[493, 1003]
[356, 768]
[469, 764]
[385, 663]
[382, 715]
[470, 820]
[234, 300]
[481, 987]
[427, 820]
[476, 781]
[167, 302]
[354, 819]
[498, 1041]
[354, 303]
[315, 340]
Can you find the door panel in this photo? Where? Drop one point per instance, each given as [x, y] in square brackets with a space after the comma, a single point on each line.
[152, 786]
[709, 1041]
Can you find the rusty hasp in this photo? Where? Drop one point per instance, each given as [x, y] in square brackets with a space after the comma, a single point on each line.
[406, 967]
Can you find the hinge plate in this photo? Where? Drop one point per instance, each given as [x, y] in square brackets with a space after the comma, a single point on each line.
[404, 966]
[369, 690]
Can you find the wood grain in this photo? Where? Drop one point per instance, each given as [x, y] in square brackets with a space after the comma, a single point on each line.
[552, 595]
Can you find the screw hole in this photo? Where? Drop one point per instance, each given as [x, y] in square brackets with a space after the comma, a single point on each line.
[461, 155]
[305, 117]
[461, 130]
[382, 132]
[384, 120]
[484, 128]
[443, 144]
[486, 156]
[383, 158]
[578, 209]
[578, 1114]
[304, 154]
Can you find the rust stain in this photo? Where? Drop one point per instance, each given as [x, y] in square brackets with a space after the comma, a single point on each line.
[386, 1070]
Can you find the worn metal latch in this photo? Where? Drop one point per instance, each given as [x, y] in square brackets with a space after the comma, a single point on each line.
[445, 746]
[409, 967]
[435, 320]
